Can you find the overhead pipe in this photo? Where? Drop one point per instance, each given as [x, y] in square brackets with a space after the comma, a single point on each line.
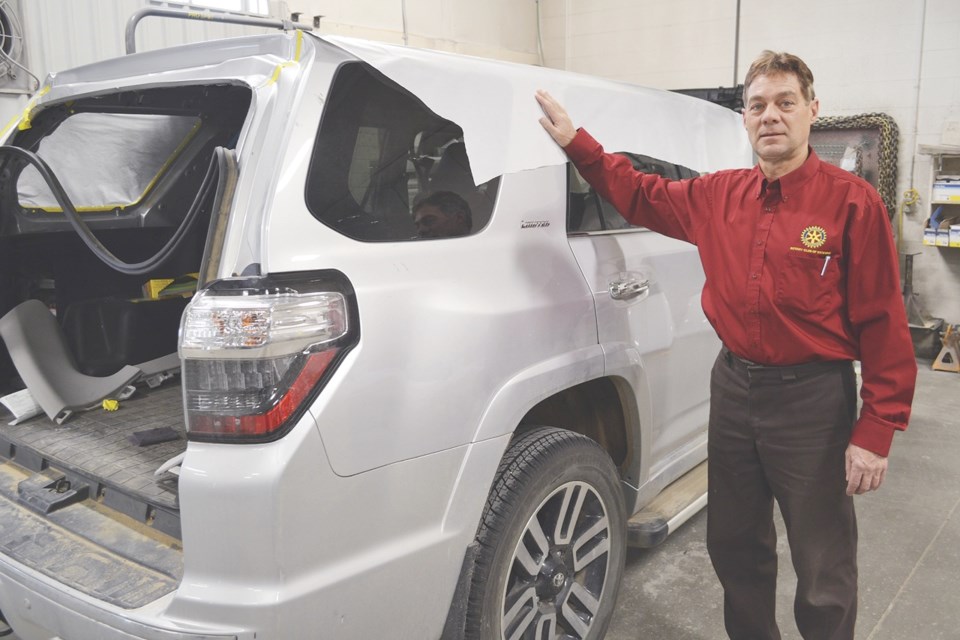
[206, 16]
[736, 47]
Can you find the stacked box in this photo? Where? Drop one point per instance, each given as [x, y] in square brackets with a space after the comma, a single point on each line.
[945, 191]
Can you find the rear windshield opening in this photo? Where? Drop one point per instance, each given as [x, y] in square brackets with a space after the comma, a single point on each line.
[387, 168]
[132, 164]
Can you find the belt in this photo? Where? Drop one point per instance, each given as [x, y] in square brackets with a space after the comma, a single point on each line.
[785, 372]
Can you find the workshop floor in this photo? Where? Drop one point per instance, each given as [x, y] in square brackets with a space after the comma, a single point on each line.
[909, 547]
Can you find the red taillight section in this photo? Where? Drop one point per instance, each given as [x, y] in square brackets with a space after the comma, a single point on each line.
[281, 405]
[257, 351]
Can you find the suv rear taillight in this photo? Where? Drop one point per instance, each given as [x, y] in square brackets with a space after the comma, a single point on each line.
[257, 351]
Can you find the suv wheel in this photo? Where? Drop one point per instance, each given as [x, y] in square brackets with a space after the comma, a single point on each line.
[551, 542]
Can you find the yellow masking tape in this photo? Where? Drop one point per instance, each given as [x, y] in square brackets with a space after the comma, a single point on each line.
[289, 63]
[25, 122]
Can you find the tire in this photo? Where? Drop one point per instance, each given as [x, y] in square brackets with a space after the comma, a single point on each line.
[552, 542]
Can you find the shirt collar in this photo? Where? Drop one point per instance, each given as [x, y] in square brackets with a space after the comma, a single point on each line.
[790, 183]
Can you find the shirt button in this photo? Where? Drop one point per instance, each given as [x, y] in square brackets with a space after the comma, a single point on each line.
[759, 243]
[768, 209]
[755, 276]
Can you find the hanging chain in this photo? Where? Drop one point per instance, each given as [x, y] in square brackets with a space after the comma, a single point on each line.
[887, 156]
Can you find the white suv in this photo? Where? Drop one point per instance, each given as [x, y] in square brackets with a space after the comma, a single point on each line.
[373, 434]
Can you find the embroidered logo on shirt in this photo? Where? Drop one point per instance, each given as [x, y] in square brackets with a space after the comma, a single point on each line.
[813, 237]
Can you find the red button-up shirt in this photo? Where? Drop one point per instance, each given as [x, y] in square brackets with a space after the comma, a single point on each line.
[798, 270]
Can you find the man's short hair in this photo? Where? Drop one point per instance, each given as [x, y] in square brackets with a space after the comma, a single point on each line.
[777, 62]
[448, 203]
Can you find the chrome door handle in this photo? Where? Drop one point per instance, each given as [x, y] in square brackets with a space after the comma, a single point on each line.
[628, 288]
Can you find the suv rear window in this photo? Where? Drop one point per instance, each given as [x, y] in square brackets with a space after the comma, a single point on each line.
[387, 168]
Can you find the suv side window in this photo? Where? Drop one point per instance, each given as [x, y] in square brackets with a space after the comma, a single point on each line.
[587, 211]
[385, 168]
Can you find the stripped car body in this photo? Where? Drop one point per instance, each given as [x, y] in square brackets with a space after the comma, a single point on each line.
[347, 503]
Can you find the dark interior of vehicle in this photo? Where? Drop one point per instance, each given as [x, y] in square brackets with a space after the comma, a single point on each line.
[587, 211]
[378, 150]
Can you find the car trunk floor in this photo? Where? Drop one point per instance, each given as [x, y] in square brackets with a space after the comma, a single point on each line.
[97, 445]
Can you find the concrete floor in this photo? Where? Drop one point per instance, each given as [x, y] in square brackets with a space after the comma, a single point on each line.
[909, 547]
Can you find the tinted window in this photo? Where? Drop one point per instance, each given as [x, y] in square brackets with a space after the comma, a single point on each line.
[587, 211]
[386, 168]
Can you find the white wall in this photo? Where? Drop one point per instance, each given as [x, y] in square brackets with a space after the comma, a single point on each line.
[502, 29]
[677, 44]
[900, 57]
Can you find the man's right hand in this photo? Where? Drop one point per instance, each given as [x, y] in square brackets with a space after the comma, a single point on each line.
[865, 470]
[556, 121]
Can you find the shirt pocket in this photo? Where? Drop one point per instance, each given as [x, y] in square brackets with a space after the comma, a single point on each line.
[809, 284]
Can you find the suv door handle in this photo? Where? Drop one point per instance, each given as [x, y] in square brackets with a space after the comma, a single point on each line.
[629, 287]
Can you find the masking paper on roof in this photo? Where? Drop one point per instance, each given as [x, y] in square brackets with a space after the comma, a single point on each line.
[105, 160]
[493, 102]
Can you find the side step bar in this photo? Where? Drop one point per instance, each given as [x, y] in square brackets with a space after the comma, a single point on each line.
[675, 505]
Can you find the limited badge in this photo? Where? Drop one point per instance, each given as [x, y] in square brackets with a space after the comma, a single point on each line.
[813, 237]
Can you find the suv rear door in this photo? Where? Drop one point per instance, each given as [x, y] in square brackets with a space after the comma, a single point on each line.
[647, 287]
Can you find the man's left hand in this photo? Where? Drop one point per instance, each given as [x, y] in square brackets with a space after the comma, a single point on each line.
[865, 470]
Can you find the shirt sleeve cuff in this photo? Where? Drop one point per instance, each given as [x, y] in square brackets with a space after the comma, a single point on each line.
[582, 147]
[873, 434]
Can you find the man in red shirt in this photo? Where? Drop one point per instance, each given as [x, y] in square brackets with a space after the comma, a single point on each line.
[802, 279]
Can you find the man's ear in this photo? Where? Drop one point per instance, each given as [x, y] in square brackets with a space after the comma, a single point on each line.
[815, 107]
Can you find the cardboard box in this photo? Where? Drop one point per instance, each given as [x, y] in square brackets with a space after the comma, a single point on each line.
[929, 237]
[946, 192]
[943, 238]
[955, 235]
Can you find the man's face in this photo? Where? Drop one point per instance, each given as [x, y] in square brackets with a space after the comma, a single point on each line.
[778, 117]
[433, 223]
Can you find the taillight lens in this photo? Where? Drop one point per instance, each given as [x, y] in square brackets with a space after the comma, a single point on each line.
[253, 358]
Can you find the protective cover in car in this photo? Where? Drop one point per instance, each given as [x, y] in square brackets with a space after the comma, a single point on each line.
[105, 160]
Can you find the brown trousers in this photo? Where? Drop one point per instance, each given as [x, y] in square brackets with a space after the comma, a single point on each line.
[781, 433]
